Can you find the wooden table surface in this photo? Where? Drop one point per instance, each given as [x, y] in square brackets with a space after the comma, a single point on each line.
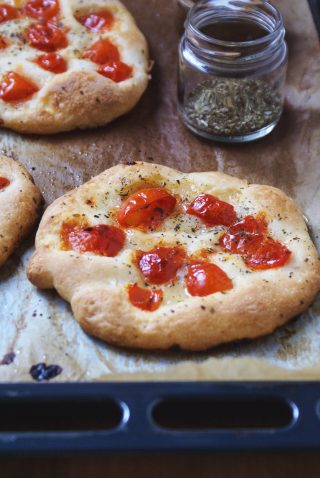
[243, 465]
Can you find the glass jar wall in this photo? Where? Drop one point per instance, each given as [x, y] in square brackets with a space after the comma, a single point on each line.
[232, 66]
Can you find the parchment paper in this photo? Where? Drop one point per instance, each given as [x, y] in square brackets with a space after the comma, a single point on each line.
[38, 326]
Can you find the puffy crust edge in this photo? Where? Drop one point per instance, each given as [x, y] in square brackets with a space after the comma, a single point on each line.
[20, 212]
[78, 100]
[259, 312]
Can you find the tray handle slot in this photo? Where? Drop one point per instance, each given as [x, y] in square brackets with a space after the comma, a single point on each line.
[60, 414]
[223, 413]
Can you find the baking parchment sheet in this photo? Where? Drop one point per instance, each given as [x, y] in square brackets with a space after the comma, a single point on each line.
[38, 326]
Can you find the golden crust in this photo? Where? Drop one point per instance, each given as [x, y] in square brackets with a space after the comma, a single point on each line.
[80, 97]
[19, 206]
[96, 286]
[78, 100]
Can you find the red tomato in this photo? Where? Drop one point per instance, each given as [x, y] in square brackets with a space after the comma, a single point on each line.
[268, 255]
[97, 21]
[205, 278]
[52, 62]
[7, 12]
[4, 182]
[46, 37]
[212, 211]
[144, 299]
[100, 240]
[161, 264]
[15, 87]
[146, 208]
[102, 51]
[244, 235]
[116, 71]
[3, 43]
[42, 9]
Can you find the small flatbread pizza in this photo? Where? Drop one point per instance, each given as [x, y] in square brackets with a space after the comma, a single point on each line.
[150, 257]
[20, 200]
[67, 64]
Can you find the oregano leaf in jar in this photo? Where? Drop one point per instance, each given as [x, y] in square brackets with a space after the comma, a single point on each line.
[230, 107]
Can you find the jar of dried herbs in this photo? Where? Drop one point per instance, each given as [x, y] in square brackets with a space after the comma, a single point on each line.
[232, 67]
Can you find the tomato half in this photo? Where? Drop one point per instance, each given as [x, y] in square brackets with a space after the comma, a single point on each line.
[268, 255]
[243, 236]
[146, 208]
[42, 9]
[52, 62]
[101, 240]
[15, 87]
[102, 51]
[3, 43]
[144, 299]
[205, 278]
[4, 182]
[115, 71]
[47, 37]
[212, 211]
[7, 12]
[97, 21]
[161, 264]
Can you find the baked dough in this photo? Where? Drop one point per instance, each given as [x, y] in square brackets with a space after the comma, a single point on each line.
[79, 97]
[19, 206]
[96, 286]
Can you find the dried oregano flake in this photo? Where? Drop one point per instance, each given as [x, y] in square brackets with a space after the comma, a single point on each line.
[231, 107]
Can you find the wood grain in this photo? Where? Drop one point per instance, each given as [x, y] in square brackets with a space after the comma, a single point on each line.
[243, 465]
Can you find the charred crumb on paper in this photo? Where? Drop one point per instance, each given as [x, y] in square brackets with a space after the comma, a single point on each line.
[42, 371]
[8, 358]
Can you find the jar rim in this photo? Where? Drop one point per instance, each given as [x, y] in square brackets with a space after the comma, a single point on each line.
[187, 3]
[210, 40]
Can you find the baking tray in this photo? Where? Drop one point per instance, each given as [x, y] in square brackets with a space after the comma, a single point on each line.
[185, 415]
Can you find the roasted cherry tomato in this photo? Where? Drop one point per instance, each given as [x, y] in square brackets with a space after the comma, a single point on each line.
[42, 9]
[144, 299]
[101, 240]
[46, 37]
[102, 51]
[3, 43]
[268, 255]
[205, 278]
[245, 235]
[212, 211]
[15, 87]
[4, 182]
[97, 21]
[116, 71]
[52, 62]
[146, 208]
[161, 264]
[7, 12]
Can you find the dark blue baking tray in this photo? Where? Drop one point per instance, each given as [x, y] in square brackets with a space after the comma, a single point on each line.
[165, 416]
[160, 416]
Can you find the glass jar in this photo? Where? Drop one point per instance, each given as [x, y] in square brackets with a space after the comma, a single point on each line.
[182, 9]
[232, 67]
[186, 4]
